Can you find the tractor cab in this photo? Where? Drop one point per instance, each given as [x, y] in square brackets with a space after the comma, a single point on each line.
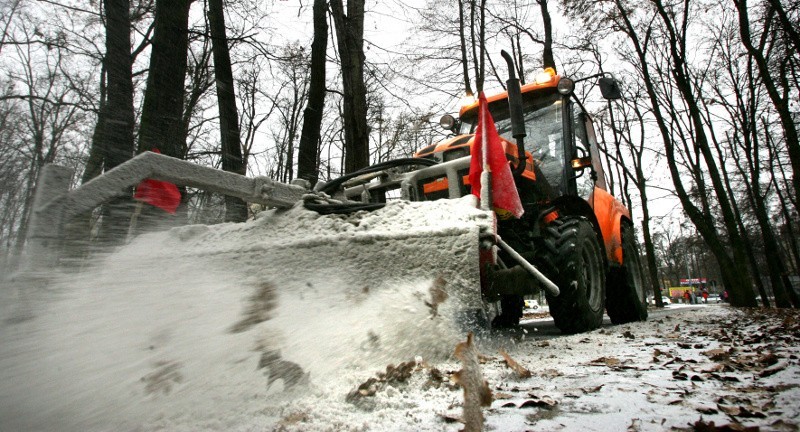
[561, 150]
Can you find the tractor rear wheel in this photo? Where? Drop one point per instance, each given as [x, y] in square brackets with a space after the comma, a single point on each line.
[581, 275]
[627, 300]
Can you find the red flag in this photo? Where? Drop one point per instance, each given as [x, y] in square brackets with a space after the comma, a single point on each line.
[161, 194]
[505, 198]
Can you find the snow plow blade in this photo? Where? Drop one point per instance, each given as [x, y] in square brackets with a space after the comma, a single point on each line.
[420, 244]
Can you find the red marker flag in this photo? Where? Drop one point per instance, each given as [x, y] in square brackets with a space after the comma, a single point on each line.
[504, 195]
[161, 194]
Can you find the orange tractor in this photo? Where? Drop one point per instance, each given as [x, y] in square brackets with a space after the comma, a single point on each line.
[577, 235]
[413, 222]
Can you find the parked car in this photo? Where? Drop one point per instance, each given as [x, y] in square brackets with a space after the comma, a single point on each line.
[531, 304]
[713, 298]
[664, 299]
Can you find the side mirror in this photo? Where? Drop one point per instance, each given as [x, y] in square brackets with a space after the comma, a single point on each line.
[609, 88]
[449, 123]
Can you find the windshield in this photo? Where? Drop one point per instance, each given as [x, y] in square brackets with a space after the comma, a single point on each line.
[544, 128]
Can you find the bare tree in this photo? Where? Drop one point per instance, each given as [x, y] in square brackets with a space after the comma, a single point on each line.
[162, 108]
[657, 34]
[231, 147]
[349, 28]
[308, 162]
[288, 102]
[463, 47]
[161, 125]
[112, 142]
[547, 52]
[6, 17]
[774, 81]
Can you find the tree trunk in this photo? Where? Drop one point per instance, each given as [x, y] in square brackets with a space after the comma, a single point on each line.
[481, 60]
[118, 133]
[113, 139]
[464, 56]
[781, 104]
[163, 98]
[350, 38]
[308, 149]
[547, 52]
[650, 250]
[161, 124]
[230, 147]
[94, 164]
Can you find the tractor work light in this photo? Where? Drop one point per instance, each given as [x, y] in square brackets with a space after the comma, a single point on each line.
[545, 76]
[468, 99]
[565, 86]
[581, 163]
[447, 122]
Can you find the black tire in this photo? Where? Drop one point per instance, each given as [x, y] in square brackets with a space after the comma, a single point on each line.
[627, 299]
[581, 275]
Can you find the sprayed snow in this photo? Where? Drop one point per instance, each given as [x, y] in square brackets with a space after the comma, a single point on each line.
[173, 327]
[169, 333]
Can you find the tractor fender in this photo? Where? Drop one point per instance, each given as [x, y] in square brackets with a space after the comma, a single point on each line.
[610, 214]
[575, 206]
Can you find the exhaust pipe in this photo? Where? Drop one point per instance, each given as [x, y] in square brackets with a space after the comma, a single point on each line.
[515, 110]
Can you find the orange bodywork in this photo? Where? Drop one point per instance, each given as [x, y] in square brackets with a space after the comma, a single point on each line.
[553, 82]
[466, 142]
[609, 212]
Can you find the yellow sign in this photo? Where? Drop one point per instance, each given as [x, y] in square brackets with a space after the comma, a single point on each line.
[678, 291]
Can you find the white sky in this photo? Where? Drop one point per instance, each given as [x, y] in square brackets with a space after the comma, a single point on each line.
[388, 24]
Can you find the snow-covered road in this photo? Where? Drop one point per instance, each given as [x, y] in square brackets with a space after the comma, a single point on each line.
[701, 364]
[181, 331]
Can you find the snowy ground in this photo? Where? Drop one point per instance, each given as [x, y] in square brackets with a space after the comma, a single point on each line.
[188, 346]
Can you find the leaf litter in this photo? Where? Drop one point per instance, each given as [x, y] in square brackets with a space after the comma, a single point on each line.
[711, 368]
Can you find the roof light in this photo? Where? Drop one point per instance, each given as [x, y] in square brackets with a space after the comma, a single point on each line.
[545, 76]
[467, 99]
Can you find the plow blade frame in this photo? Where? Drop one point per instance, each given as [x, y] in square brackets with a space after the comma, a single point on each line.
[55, 204]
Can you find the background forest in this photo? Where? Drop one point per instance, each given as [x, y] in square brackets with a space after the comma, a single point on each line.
[703, 147]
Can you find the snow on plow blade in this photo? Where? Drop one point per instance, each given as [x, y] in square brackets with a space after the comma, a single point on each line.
[404, 243]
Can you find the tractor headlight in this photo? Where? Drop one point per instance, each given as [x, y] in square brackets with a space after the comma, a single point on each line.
[447, 122]
[565, 86]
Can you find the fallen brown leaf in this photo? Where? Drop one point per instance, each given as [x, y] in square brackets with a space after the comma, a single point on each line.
[500, 396]
[550, 373]
[717, 354]
[703, 409]
[608, 361]
[701, 426]
[438, 295]
[726, 378]
[510, 362]
[772, 370]
[476, 390]
[593, 389]
[544, 402]
[450, 418]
